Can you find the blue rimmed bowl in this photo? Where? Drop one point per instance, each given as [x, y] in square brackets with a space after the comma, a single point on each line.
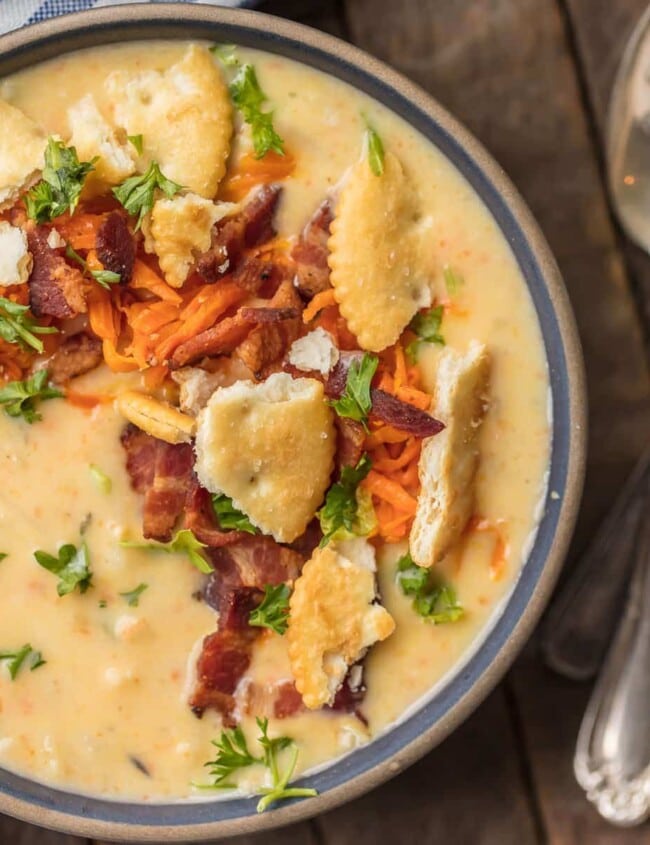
[368, 766]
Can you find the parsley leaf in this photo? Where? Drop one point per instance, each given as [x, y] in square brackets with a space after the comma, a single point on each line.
[348, 510]
[226, 53]
[103, 481]
[427, 328]
[17, 326]
[60, 188]
[132, 597]
[375, 150]
[21, 397]
[234, 754]
[105, 278]
[137, 193]
[273, 612]
[229, 517]
[183, 543]
[15, 659]
[249, 98]
[71, 565]
[355, 401]
[137, 141]
[436, 603]
[453, 280]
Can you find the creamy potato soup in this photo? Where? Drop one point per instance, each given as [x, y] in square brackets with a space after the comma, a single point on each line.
[274, 420]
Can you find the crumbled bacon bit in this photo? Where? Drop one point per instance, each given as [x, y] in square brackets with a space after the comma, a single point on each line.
[76, 355]
[116, 247]
[310, 253]
[140, 451]
[201, 520]
[164, 501]
[391, 410]
[55, 288]
[351, 436]
[218, 340]
[275, 700]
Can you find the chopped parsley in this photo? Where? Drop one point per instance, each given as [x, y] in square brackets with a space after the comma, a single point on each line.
[229, 517]
[226, 53]
[137, 193]
[16, 659]
[453, 280]
[132, 597]
[137, 142]
[60, 188]
[355, 402]
[103, 481]
[348, 510]
[234, 754]
[426, 325]
[17, 326]
[71, 565]
[273, 612]
[436, 603]
[105, 278]
[183, 543]
[249, 98]
[20, 398]
[374, 150]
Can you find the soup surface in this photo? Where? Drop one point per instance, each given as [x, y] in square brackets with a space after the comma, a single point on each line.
[109, 711]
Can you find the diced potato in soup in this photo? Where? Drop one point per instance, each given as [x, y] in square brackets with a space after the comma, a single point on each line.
[161, 379]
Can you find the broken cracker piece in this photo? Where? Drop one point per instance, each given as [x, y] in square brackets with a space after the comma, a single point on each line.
[22, 149]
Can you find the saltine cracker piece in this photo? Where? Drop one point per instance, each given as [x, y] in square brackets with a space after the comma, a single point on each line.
[22, 148]
[178, 230]
[270, 448]
[333, 619]
[379, 253]
[184, 116]
[15, 258]
[92, 136]
[449, 460]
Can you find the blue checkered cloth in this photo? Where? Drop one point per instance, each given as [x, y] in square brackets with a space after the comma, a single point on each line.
[17, 13]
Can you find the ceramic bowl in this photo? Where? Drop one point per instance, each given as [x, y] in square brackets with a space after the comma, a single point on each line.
[391, 752]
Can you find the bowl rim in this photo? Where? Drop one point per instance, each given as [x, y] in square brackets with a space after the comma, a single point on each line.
[78, 814]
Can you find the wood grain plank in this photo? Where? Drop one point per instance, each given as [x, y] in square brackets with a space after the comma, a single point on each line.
[297, 834]
[469, 791]
[13, 832]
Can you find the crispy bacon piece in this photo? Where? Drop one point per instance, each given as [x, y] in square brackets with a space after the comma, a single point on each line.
[232, 235]
[391, 410]
[116, 247]
[307, 542]
[77, 355]
[268, 343]
[55, 288]
[201, 520]
[164, 501]
[141, 449]
[350, 437]
[278, 700]
[226, 655]
[310, 253]
[349, 697]
[256, 276]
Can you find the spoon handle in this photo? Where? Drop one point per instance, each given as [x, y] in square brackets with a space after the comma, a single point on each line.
[612, 760]
[579, 625]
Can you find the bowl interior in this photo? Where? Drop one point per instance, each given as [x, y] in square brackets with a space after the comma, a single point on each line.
[372, 764]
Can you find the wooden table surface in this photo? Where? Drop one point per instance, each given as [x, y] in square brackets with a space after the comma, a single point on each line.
[531, 79]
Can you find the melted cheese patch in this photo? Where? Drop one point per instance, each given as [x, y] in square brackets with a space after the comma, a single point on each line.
[22, 145]
[380, 255]
[184, 115]
[270, 448]
[333, 620]
[449, 460]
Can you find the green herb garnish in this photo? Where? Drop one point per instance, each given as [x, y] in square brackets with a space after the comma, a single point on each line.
[15, 659]
[453, 280]
[226, 53]
[249, 98]
[105, 278]
[3, 555]
[355, 402]
[229, 517]
[132, 597]
[183, 543]
[17, 326]
[20, 398]
[103, 481]
[426, 326]
[234, 754]
[61, 184]
[273, 612]
[348, 510]
[374, 150]
[137, 193]
[436, 603]
[137, 141]
[71, 565]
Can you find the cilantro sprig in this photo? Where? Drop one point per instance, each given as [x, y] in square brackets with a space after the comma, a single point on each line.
[234, 754]
[16, 659]
[20, 398]
[132, 597]
[273, 611]
[248, 97]
[348, 510]
[71, 565]
[355, 402]
[61, 184]
[229, 517]
[434, 602]
[426, 325]
[105, 278]
[183, 543]
[18, 326]
[137, 193]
